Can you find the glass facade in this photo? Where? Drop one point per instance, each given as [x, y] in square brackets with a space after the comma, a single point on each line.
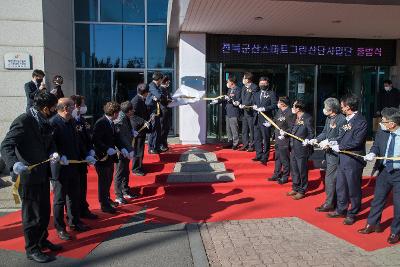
[119, 43]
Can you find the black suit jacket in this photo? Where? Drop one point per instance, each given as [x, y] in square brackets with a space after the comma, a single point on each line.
[156, 91]
[234, 94]
[285, 120]
[140, 114]
[30, 91]
[246, 98]
[124, 132]
[25, 143]
[268, 101]
[105, 137]
[379, 147]
[302, 128]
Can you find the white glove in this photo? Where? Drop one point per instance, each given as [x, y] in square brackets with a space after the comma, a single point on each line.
[226, 97]
[135, 133]
[124, 153]
[111, 151]
[64, 160]
[20, 168]
[91, 160]
[335, 148]
[262, 109]
[323, 144]
[131, 155]
[281, 137]
[332, 143]
[215, 101]
[255, 107]
[147, 124]
[282, 132]
[236, 103]
[306, 142]
[92, 153]
[241, 106]
[154, 98]
[267, 124]
[313, 141]
[370, 157]
[54, 157]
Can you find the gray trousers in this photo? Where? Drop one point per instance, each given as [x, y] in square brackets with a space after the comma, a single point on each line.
[232, 130]
[332, 162]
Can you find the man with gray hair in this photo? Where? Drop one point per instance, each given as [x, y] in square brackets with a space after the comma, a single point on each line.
[386, 144]
[332, 131]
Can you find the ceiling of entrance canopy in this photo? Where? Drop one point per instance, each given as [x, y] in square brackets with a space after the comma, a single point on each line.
[311, 18]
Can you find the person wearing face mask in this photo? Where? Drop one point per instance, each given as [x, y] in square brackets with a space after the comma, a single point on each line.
[57, 82]
[84, 132]
[105, 142]
[350, 168]
[332, 132]
[232, 102]
[32, 136]
[264, 100]
[166, 113]
[284, 118]
[246, 102]
[300, 151]
[33, 87]
[154, 97]
[386, 144]
[65, 177]
[389, 97]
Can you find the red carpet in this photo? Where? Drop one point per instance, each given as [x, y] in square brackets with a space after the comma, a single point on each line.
[249, 197]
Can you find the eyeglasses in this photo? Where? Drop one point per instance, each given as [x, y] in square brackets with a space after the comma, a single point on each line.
[385, 121]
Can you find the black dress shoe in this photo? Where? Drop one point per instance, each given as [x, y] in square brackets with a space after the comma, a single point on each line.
[79, 227]
[283, 181]
[130, 196]
[89, 215]
[38, 256]
[164, 149]
[154, 152]
[235, 147]
[335, 214]
[324, 208]
[349, 220]
[121, 201]
[263, 161]
[227, 146]
[273, 178]
[139, 173]
[48, 245]
[256, 159]
[393, 238]
[113, 204]
[63, 235]
[243, 148]
[370, 229]
[250, 149]
[108, 209]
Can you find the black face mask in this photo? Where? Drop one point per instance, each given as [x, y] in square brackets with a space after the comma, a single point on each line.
[39, 81]
[263, 87]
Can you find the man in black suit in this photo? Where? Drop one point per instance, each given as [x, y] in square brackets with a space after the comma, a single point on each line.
[84, 132]
[386, 144]
[166, 113]
[333, 130]
[232, 102]
[389, 97]
[33, 87]
[348, 184]
[300, 151]
[105, 143]
[125, 135]
[246, 103]
[30, 141]
[153, 102]
[284, 118]
[264, 100]
[138, 120]
[65, 177]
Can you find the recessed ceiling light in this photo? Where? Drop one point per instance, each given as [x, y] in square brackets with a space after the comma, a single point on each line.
[258, 18]
[336, 21]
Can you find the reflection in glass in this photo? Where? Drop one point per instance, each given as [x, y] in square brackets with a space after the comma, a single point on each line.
[157, 11]
[133, 50]
[122, 11]
[125, 85]
[108, 48]
[213, 90]
[301, 85]
[85, 10]
[95, 86]
[84, 45]
[158, 55]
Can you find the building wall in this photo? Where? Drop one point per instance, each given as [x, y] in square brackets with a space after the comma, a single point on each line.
[58, 42]
[395, 70]
[21, 27]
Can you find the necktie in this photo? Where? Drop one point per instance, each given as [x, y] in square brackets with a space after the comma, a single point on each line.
[390, 153]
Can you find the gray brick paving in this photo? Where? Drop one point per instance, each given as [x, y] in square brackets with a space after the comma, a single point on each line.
[285, 242]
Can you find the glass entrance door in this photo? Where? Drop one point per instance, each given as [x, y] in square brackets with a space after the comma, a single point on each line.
[125, 84]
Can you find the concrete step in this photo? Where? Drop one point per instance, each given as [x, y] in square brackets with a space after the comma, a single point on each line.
[201, 177]
[199, 166]
[198, 156]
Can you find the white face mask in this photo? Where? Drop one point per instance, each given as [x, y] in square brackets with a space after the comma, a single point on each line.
[387, 88]
[83, 110]
[75, 113]
[383, 126]
[326, 112]
[294, 111]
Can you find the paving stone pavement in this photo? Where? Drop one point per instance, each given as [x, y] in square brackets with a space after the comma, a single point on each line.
[285, 242]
